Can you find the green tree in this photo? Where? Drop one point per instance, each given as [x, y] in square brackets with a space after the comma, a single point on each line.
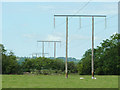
[107, 59]
[9, 62]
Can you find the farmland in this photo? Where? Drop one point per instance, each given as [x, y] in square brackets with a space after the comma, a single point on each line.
[59, 81]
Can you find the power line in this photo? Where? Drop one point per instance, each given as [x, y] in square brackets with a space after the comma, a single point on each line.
[74, 14]
[83, 7]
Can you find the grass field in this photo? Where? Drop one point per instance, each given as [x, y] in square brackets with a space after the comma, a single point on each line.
[58, 81]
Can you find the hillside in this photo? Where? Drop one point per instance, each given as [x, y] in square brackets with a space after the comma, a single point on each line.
[22, 59]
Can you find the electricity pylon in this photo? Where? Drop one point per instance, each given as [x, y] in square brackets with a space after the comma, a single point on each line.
[93, 16]
[54, 46]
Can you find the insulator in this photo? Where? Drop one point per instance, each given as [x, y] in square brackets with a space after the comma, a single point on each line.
[105, 23]
[80, 22]
[54, 21]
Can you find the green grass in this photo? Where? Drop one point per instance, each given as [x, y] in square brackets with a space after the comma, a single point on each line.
[58, 81]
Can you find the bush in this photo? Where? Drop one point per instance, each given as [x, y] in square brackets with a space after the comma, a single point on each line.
[36, 72]
[50, 72]
[59, 71]
[45, 72]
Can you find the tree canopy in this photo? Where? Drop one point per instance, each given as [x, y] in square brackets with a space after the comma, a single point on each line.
[106, 61]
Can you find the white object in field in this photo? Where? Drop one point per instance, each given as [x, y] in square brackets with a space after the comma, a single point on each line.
[81, 78]
[93, 77]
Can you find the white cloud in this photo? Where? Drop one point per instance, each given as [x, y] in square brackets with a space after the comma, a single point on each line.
[55, 36]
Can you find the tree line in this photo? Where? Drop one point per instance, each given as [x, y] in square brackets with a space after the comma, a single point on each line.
[106, 62]
[107, 59]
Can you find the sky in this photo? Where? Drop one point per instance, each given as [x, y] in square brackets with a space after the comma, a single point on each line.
[23, 23]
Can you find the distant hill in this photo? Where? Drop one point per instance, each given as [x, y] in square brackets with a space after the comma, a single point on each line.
[69, 59]
[22, 59]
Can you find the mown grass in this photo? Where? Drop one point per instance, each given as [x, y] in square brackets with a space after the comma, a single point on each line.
[58, 81]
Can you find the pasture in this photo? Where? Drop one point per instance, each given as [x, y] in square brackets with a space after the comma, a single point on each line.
[59, 81]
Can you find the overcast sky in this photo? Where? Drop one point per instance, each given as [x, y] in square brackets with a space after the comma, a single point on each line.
[23, 23]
